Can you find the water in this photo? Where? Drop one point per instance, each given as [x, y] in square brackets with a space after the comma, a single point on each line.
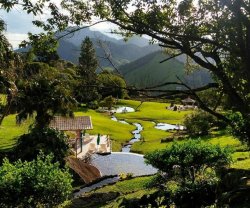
[113, 118]
[124, 109]
[165, 126]
[136, 133]
[122, 162]
[116, 163]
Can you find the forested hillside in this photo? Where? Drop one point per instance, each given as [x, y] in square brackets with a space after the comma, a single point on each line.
[148, 71]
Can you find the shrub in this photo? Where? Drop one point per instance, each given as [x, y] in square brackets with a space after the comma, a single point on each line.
[39, 183]
[93, 104]
[46, 140]
[189, 172]
[125, 176]
[108, 102]
[198, 123]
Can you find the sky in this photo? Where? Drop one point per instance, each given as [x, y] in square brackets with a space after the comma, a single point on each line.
[19, 23]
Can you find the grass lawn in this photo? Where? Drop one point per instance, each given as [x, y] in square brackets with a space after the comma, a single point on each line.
[119, 133]
[9, 130]
[152, 111]
[126, 186]
[148, 113]
[133, 188]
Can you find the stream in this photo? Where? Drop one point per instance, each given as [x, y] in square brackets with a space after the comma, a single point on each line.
[136, 133]
[124, 161]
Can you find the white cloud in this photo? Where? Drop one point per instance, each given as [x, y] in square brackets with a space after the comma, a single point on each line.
[16, 38]
[106, 28]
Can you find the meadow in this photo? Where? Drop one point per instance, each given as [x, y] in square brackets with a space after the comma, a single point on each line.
[146, 114]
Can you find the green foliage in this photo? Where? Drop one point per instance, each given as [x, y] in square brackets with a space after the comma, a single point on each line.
[111, 84]
[39, 183]
[43, 47]
[86, 90]
[198, 123]
[125, 176]
[108, 102]
[46, 140]
[45, 91]
[191, 172]
[189, 159]
[240, 125]
[93, 104]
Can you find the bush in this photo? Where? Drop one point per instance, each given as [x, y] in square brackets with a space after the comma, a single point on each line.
[125, 176]
[189, 172]
[108, 102]
[46, 140]
[198, 123]
[93, 104]
[39, 183]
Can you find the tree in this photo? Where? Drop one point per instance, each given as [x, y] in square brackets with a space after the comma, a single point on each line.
[198, 123]
[42, 46]
[39, 183]
[213, 33]
[45, 91]
[47, 140]
[112, 84]
[108, 102]
[8, 60]
[86, 90]
[190, 171]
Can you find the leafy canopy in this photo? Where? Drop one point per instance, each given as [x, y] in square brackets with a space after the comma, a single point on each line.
[39, 183]
[189, 172]
[49, 141]
[192, 158]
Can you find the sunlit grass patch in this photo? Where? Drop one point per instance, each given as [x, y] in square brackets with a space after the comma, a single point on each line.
[127, 186]
[119, 133]
[9, 130]
[153, 111]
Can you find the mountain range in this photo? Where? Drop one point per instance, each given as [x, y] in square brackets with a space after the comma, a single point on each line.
[137, 60]
[148, 72]
[118, 50]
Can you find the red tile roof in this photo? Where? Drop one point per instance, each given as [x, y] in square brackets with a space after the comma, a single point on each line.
[71, 124]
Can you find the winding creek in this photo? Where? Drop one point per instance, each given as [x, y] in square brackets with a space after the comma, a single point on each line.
[124, 161]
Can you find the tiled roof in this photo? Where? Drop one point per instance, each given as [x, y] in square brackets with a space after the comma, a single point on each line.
[188, 100]
[71, 124]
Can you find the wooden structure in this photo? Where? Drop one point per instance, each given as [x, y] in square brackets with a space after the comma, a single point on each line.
[76, 124]
[188, 101]
[86, 171]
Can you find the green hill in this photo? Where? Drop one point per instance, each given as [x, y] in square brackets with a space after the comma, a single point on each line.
[121, 52]
[148, 71]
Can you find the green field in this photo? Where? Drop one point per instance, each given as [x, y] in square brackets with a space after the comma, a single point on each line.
[129, 189]
[146, 114]
[119, 133]
[9, 130]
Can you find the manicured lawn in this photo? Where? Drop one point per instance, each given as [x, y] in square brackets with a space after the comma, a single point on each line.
[148, 113]
[126, 186]
[152, 111]
[119, 133]
[133, 188]
[9, 130]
